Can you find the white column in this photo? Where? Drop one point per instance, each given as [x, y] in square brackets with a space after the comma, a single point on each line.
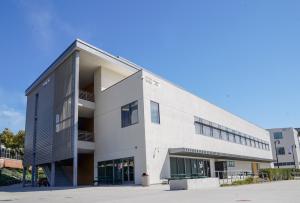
[212, 168]
[75, 115]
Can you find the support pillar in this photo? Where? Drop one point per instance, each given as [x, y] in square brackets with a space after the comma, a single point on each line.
[52, 180]
[75, 86]
[24, 176]
[212, 168]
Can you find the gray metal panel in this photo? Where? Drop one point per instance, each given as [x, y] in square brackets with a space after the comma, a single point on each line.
[45, 122]
[44, 127]
[29, 130]
[62, 142]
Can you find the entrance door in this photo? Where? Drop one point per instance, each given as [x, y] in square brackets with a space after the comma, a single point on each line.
[221, 169]
[128, 171]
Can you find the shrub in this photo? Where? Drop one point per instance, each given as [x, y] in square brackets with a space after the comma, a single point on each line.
[274, 174]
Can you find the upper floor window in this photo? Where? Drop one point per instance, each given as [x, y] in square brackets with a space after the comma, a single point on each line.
[207, 130]
[155, 116]
[277, 135]
[280, 151]
[129, 114]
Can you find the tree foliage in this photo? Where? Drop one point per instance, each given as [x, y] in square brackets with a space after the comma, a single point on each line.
[11, 140]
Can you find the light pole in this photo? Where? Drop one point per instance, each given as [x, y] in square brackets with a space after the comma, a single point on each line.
[275, 143]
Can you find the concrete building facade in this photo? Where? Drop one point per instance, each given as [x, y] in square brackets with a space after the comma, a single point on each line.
[94, 116]
[285, 144]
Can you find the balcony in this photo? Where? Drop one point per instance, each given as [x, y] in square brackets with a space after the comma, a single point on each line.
[85, 95]
[85, 136]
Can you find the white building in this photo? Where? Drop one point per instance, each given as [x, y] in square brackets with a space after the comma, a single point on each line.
[92, 115]
[286, 142]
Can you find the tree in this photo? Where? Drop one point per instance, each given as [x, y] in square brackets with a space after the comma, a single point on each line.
[11, 140]
[7, 138]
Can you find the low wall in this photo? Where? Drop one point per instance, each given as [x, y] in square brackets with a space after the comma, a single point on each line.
[191, 184]
[11, 163]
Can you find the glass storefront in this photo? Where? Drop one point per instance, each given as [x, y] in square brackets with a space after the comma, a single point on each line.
[187, 167]
[118, 171]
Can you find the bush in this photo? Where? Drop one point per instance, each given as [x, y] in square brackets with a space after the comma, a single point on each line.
[243, 182]
[274, 174]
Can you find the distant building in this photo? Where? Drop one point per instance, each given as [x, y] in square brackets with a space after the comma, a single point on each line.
[287, 141]
[94, 116]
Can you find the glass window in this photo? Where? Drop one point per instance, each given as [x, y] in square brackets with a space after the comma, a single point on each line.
[259, 145]
[243, 140]
[198, 128]
[207, 130]
[223, 135]
[155, 116]
[216, 133]
[129, 114]
[248, 142]
[230, 163]
[280, 151]
[231, 137]
[277, 135]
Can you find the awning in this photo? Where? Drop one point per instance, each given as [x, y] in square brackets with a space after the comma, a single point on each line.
[212, 154]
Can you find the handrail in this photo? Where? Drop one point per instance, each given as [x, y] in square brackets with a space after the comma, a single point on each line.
[85, 95]
[85, 136]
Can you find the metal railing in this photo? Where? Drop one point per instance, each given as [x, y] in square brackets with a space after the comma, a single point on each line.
[228, 177]
[86, 96]
[10, 154]
[85, 136]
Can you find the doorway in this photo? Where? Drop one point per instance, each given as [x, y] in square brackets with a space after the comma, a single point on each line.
[221, 169]
[118, 171]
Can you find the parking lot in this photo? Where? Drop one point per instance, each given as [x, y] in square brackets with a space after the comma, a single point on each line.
[282, 191]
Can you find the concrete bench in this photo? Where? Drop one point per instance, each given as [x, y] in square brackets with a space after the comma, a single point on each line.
[191, 184]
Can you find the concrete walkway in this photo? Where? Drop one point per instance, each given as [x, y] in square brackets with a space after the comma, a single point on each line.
[275, 192]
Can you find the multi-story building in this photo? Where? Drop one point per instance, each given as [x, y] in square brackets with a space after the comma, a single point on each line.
[94, 116]
[285, 144]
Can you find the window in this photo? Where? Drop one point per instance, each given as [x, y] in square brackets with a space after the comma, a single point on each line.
[248, 142]
[277, 135]
[155, 117]
[129, 114]
[231, 137]
[198, 128]
[243, 140]
[223, 135]
[230, 163]
[216, 133]
[280, 151]
[207, 130]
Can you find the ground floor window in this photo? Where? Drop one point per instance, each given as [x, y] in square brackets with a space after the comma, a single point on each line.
[117, 171]
[188, 167]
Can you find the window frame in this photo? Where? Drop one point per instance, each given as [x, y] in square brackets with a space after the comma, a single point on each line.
[130, 107]
[158, 111]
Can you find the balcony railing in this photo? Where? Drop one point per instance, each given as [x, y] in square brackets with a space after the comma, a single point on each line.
[85, 136]
[10, 154]
[86, 96]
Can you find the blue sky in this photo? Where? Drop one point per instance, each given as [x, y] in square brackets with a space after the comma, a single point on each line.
[242, 55]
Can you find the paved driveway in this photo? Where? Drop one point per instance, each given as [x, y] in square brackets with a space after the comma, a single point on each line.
[276, 192]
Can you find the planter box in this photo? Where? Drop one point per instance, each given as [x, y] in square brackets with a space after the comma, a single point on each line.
[191, 184]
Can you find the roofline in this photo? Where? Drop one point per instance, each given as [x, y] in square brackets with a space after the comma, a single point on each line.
[77, 44]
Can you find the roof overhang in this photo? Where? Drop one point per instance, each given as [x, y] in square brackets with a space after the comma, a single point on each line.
[79, 45]
[212, 154]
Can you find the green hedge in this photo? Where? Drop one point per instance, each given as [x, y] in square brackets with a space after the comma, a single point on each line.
[274, 174]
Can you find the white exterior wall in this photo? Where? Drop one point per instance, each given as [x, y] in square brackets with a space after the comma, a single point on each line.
[112, 141]
[176, 129]
[290, 137]
[109, 78]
